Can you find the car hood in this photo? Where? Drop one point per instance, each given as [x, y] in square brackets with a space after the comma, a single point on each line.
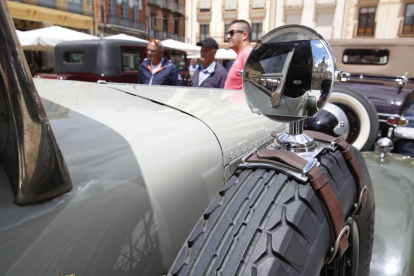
[394, 215]
[216, 108]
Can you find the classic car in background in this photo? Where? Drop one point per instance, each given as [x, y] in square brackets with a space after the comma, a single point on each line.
[109, 179]
[381, 71]
[110, 60]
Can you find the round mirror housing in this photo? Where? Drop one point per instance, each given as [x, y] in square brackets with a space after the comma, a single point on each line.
[289, 74]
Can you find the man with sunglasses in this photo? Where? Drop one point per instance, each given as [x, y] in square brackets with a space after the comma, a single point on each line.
[156, 69]
[238, 36]
[210, 73]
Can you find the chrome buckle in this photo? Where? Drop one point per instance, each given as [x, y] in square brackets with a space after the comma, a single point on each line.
[334, 249]
[334, 143]
[309, 166]
[357, 205]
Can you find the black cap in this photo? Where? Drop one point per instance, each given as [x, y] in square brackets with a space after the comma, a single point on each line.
[208, 42]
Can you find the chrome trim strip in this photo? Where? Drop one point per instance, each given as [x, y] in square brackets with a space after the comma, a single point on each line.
[388, 115]
[297, 175]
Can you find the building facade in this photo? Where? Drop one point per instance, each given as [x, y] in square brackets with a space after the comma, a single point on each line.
[34, 14]
[120, 16]
[166, 19]
[379, 19]
[332, 18]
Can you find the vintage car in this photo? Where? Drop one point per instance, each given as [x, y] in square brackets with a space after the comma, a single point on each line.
[380, 71]
[110, 179]
[112, 60]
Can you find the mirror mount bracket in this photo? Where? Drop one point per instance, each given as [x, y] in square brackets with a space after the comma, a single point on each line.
[295, 140]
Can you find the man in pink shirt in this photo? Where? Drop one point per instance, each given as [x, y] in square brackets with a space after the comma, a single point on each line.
[238, 35]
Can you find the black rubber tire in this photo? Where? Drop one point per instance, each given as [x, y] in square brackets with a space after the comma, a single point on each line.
[264, 223]
[345, 97]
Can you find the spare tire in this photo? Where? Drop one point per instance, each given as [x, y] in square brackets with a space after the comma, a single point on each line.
[266, 223]
[360, 112]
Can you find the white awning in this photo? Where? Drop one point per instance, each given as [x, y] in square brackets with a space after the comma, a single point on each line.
[125, 37]
[45, 39]
[188, 48]
[221, 54]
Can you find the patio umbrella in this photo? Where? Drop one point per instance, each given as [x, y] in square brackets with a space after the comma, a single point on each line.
[45, 39]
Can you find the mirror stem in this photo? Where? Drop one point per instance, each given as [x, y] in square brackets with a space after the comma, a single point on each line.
[295, 128]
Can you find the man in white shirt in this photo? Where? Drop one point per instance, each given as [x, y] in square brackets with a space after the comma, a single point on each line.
[210, 73]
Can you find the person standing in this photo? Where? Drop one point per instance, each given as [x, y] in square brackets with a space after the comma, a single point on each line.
[238, 36]
[193, 65]
[156, 69]
[210, 73]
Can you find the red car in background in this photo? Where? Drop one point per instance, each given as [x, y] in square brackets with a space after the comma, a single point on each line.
[108, 60]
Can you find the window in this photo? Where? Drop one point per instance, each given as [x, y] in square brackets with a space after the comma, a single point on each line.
[226, 28]
[292, 19]
[408, 27]
[179, 61]
[204, 31]
[324, 22]
[112, 7]
[365, 56]
[366, 22]
[153, 20]
[131, 59]
[165, 25]
[124, 9]
[74, 57]
[136, 9]
[205, 5]
[176, 26]
[256, 31]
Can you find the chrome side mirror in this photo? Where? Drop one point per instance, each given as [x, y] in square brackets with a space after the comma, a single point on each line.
[288, 77]
[289, 74]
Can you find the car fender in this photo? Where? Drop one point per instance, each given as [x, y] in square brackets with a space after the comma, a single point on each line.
[142, 173]
[393, 184]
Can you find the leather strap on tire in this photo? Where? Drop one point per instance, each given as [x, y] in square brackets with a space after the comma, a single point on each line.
[320, 184]
[347, 153]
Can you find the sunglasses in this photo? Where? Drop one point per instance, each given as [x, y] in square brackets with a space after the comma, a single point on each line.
[155, 41]
[232, 32]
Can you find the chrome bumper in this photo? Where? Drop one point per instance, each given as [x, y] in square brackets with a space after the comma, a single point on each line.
[404, 132]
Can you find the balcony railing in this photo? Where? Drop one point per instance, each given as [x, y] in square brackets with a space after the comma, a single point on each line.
[175, 37]
[258, 4]
[230, 5]
[126, 22]
[325, 3]
[172, 36]
[293, 4]
[181, 9]
[70, 6]
[172, 6]
[162, 35]
[156, 2]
